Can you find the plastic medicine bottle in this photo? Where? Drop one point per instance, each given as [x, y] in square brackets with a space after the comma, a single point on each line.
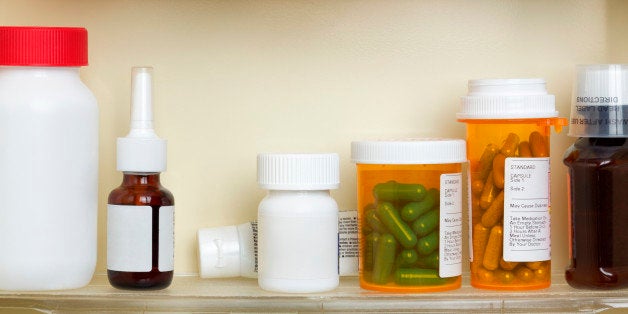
[410, 214]
[598, 178]
[140, 212]
[48, 160]
[298, 222]
[508, 145]
[231, 251]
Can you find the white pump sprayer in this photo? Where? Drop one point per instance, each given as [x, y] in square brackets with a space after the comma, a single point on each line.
[141, 150]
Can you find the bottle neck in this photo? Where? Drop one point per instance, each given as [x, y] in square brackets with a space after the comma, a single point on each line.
[141, 178]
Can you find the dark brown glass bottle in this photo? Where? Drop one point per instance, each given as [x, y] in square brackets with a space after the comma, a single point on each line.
[598, 198]
[143, 189]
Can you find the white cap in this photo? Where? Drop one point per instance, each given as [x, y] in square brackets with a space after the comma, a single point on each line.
[298, 171]
[219, 252]
[507, 99]
[409, 151]
[141, 150]
[599, 106]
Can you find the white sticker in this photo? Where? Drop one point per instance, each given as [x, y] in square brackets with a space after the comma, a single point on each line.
[526, 210]
[130, 238]
[450, 242]
[348, 243]
[166, 238]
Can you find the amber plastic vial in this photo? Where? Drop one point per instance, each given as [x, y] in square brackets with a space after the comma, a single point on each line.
[598, 178]
[508, 130]
[409, 214]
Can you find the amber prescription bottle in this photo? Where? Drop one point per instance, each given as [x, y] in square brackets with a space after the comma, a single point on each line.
[140, 212]
[598, 178]
[409, 214]
[508, 129]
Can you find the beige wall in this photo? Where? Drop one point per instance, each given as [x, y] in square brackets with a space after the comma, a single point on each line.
[234, 78]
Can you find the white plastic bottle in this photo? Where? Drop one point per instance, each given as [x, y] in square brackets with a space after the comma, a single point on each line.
[48, 160]
[231, 251]
[298, 222]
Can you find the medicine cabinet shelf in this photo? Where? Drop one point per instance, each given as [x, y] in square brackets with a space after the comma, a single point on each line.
[191, 294]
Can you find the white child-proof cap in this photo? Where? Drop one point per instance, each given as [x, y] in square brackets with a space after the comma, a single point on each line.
[507, 99]
[298, 171]
[219, 252]
[409, 151]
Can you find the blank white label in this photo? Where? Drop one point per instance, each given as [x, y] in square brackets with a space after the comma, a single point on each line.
[166, 238]
[129, 238]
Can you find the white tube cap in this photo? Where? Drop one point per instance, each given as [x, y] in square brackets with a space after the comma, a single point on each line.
[219, 252]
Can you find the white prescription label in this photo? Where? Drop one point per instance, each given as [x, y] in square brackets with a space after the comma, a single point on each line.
[130, 238]
[348, 243]
[450, 242]
[526, 210]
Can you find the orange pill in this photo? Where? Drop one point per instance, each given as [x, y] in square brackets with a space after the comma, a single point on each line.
[489, 192]
[539, 145]
[524, 149]
[507, 265]
[499, 162]
[480, 237]
[493, 252]
[504, 276]
[477, 186]
[524, 274]
[495, 212]
[509, 148]
[486, 161]
[485, 275]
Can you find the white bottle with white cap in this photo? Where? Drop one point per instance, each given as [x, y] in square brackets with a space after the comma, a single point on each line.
[298, 222]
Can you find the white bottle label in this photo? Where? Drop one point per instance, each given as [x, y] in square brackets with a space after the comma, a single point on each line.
[450, 242]
[526, 210]
[166, 238]
[129, 238]
[348, 243]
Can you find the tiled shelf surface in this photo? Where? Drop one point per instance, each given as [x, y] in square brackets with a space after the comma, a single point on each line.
[191, 294]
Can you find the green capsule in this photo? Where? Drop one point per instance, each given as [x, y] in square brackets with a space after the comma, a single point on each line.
[389, 216]
[436, 195]
[392, 191]
[427, 223]
[413, 210]
[369, 250]
[428, 243]
[384, 258]
[418, 277]
[373, 222]
[430, 261]
[407, 258]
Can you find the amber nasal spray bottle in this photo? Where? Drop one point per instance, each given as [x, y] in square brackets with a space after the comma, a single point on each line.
[140, 212]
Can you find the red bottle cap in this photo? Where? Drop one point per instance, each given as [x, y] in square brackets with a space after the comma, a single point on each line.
[43, 46]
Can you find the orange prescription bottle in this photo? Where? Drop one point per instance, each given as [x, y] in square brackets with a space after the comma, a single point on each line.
[409, 214]
[508, 130]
